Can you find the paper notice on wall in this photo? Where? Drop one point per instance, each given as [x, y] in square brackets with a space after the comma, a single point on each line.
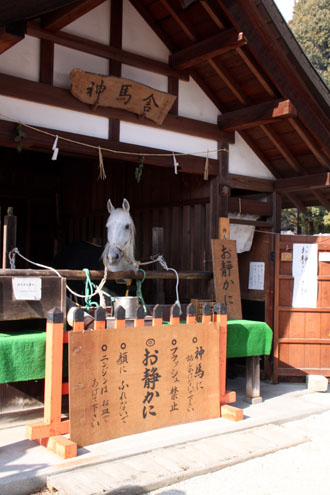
[304, 271]
[324, 256]
[26, 288]
[256, 275]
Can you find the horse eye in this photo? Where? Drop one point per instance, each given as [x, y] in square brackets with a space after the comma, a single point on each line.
[127, 226]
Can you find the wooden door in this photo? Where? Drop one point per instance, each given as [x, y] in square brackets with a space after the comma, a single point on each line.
[301, 335]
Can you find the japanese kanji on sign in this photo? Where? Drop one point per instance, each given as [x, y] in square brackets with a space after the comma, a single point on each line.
[115, 92]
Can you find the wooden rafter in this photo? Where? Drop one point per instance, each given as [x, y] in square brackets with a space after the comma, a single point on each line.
[262, 113]
[11, 34]
[297, 203]
[177, 16]
[283, 149]
[311, 143]
[229, 81]
[322, 199]
[207, 49]
[58, 19]
[212, 12]
[58, 97]
[253, 66]
[101, 50]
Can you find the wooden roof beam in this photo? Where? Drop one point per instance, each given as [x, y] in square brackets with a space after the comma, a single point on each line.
[11, 34]
[204, 50]
[297, 203]
[315, 181]
[282, 148]
[49, 95]
[250, 183]
[311, 143]
[58, 19]
[177, 16]
[229, 81]
[257, 114]
[108, 52]
[322, 199]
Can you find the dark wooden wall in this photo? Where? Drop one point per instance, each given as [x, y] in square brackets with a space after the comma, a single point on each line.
[61, 201]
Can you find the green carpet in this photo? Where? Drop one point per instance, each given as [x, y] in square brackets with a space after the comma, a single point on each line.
[22, 354]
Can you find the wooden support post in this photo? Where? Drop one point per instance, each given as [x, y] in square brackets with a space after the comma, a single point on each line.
[99, 322]
[157, 315]
[175, 315]
[9, 236]
[191, 314]
[253, 379]
[206, 315]
[48, 432]
[120, 321]
[139, 318]
[226, 396]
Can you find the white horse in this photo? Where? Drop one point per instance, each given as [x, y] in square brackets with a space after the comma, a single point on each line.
[118, 254]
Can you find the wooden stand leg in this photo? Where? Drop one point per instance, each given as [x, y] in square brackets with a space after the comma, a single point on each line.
[253, 379]
[47, 432]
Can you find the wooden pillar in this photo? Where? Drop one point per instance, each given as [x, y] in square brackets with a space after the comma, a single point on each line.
[46, 70]
[219, 191]
[116, 33]
[277, 210]
[9, 236]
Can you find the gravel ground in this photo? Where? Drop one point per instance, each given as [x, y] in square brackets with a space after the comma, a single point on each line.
[301, 470]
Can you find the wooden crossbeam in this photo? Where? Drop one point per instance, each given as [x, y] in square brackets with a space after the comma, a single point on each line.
[211, 47]
[315, 181]
[11, 34]
[252, 116]
[104, 51]
[311, 143]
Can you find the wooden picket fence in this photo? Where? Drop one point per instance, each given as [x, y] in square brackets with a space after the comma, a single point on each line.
[50, 432]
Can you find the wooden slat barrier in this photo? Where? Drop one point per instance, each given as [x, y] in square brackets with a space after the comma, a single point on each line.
[49, 432]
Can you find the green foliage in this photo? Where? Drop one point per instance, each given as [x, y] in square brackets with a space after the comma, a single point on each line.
[311, 27]
[316, 220]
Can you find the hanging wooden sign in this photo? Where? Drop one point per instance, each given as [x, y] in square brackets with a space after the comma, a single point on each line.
[127, 381]
[116, 92]
[226, 277]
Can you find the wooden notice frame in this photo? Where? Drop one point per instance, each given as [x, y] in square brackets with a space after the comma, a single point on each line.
[127, 381]
[226, 276]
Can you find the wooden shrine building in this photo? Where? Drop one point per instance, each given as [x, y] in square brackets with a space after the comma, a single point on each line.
[247, 125]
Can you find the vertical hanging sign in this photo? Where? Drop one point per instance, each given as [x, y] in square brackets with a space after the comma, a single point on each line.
[304, 272]
[226, 277]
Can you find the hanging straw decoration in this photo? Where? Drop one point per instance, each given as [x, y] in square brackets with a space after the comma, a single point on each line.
[206, 166]
[175, 164]
[102, 174]
[139, 169]
[55, 149]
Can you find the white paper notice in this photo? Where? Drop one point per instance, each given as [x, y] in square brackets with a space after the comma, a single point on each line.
[304, 271]
[27, 288]
[256, 275]
[324, 256]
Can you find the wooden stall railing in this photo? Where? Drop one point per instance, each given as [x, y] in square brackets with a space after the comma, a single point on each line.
[50, 431]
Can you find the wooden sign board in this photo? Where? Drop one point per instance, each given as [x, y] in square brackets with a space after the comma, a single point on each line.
[131, 380]
[226, 277]
[116, 92]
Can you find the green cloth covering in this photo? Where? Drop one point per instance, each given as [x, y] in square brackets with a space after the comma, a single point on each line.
[22, 354]
[248, 338]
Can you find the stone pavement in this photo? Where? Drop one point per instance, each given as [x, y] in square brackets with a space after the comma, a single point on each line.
[143, 462]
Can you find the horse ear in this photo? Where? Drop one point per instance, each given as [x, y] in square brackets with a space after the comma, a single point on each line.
[110, 206]
[126, 205]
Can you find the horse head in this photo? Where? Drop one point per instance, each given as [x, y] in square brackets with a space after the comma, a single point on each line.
[118, 254]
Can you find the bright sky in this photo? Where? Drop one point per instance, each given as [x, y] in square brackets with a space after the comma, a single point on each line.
[286, 8]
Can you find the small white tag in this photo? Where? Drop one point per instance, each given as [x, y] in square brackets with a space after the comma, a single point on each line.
[26, 288]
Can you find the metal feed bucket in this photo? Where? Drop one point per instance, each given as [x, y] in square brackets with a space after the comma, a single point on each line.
[129, 303]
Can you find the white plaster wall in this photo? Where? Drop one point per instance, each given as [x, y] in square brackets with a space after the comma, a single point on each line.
[95, 26]
[194, 104]
[53, 118]
[167, 140]
[22, 59]
[243, 161]
[139, 38]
